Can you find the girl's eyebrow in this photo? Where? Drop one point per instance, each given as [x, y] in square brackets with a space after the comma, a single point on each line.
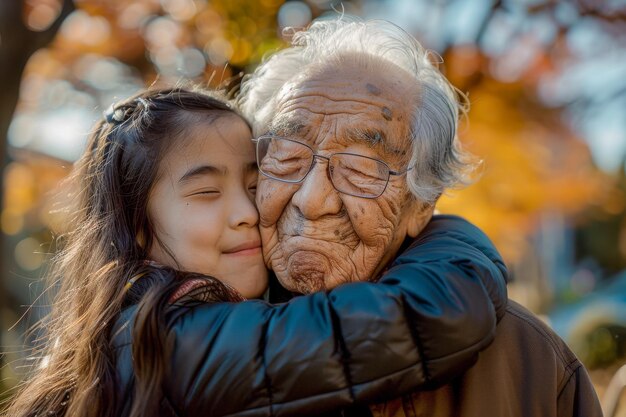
[202, 170]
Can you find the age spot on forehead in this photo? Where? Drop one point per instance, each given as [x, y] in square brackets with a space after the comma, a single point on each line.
[373, 89]
[387, 113]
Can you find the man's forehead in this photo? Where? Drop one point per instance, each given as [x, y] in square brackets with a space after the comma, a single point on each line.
[369, 132]
[348, 102]
[357, 78]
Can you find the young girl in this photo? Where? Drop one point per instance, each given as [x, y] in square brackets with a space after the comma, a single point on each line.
[139, 327]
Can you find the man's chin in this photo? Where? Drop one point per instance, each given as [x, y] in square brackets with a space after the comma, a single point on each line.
[306, 272]
[306, 265]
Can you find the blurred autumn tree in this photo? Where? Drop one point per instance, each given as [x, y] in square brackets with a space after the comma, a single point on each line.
[24, 28]
[63, 62]
[533, 159]
[538, 171]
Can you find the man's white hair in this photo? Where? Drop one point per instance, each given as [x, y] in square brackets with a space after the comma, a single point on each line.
[438, 160]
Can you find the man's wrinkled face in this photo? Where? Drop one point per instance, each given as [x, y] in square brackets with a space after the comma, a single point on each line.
[313, 236]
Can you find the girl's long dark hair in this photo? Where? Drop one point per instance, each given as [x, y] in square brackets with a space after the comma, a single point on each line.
[106, 244]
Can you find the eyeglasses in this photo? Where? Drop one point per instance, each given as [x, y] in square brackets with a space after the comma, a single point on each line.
[290, 161]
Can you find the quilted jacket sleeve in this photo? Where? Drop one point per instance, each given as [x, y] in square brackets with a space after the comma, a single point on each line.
[424, 322]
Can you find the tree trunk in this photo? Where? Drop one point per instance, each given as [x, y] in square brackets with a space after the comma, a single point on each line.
[17, 44]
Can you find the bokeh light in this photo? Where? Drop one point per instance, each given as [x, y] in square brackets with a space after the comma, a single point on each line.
[86, 29]
[180, 9]
[28, 254]
[193, 62]
[41, 14]
[296, 14]
[134, 16]
[162, 32]
[219, 51]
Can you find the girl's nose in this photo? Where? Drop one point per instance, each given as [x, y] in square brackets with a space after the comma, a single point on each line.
[243, 212]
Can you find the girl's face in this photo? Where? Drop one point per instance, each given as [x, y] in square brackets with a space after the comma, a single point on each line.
[202, 206]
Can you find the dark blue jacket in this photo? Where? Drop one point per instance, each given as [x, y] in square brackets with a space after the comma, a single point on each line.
[422, 324]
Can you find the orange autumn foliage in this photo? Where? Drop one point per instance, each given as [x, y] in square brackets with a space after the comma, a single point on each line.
[532, 164]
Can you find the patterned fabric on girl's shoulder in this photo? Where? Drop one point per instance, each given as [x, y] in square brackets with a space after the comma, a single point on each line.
[207, 290]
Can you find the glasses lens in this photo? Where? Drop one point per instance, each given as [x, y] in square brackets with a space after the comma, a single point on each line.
[283, 159]
[359, 176]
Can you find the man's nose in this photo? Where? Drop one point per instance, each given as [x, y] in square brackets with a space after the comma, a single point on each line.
[243, 212]
[317, 197]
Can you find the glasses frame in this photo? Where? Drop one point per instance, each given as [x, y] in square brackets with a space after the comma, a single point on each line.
[328, 171]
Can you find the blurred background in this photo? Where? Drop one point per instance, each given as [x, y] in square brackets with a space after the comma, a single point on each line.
[546, 80]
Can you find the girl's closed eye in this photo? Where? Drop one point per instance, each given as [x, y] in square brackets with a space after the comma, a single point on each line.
[212, 192]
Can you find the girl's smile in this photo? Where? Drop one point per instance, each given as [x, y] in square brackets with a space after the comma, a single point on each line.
[202, 205]
[248, 248]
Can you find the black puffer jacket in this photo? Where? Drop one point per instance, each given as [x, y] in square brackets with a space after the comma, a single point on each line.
[423, 323]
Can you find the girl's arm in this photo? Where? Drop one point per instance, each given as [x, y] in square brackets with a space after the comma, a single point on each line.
[423, 323]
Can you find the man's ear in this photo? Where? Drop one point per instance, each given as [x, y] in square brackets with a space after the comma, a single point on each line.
[420, 214]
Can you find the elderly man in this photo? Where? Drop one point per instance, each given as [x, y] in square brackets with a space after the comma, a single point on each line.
[356, 139]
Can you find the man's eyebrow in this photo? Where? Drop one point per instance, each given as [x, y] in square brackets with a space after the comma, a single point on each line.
[373, 137]
[202, 170]
[287, 127]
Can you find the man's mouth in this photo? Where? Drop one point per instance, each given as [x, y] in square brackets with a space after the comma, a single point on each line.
[327, 230]
[339, 234]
